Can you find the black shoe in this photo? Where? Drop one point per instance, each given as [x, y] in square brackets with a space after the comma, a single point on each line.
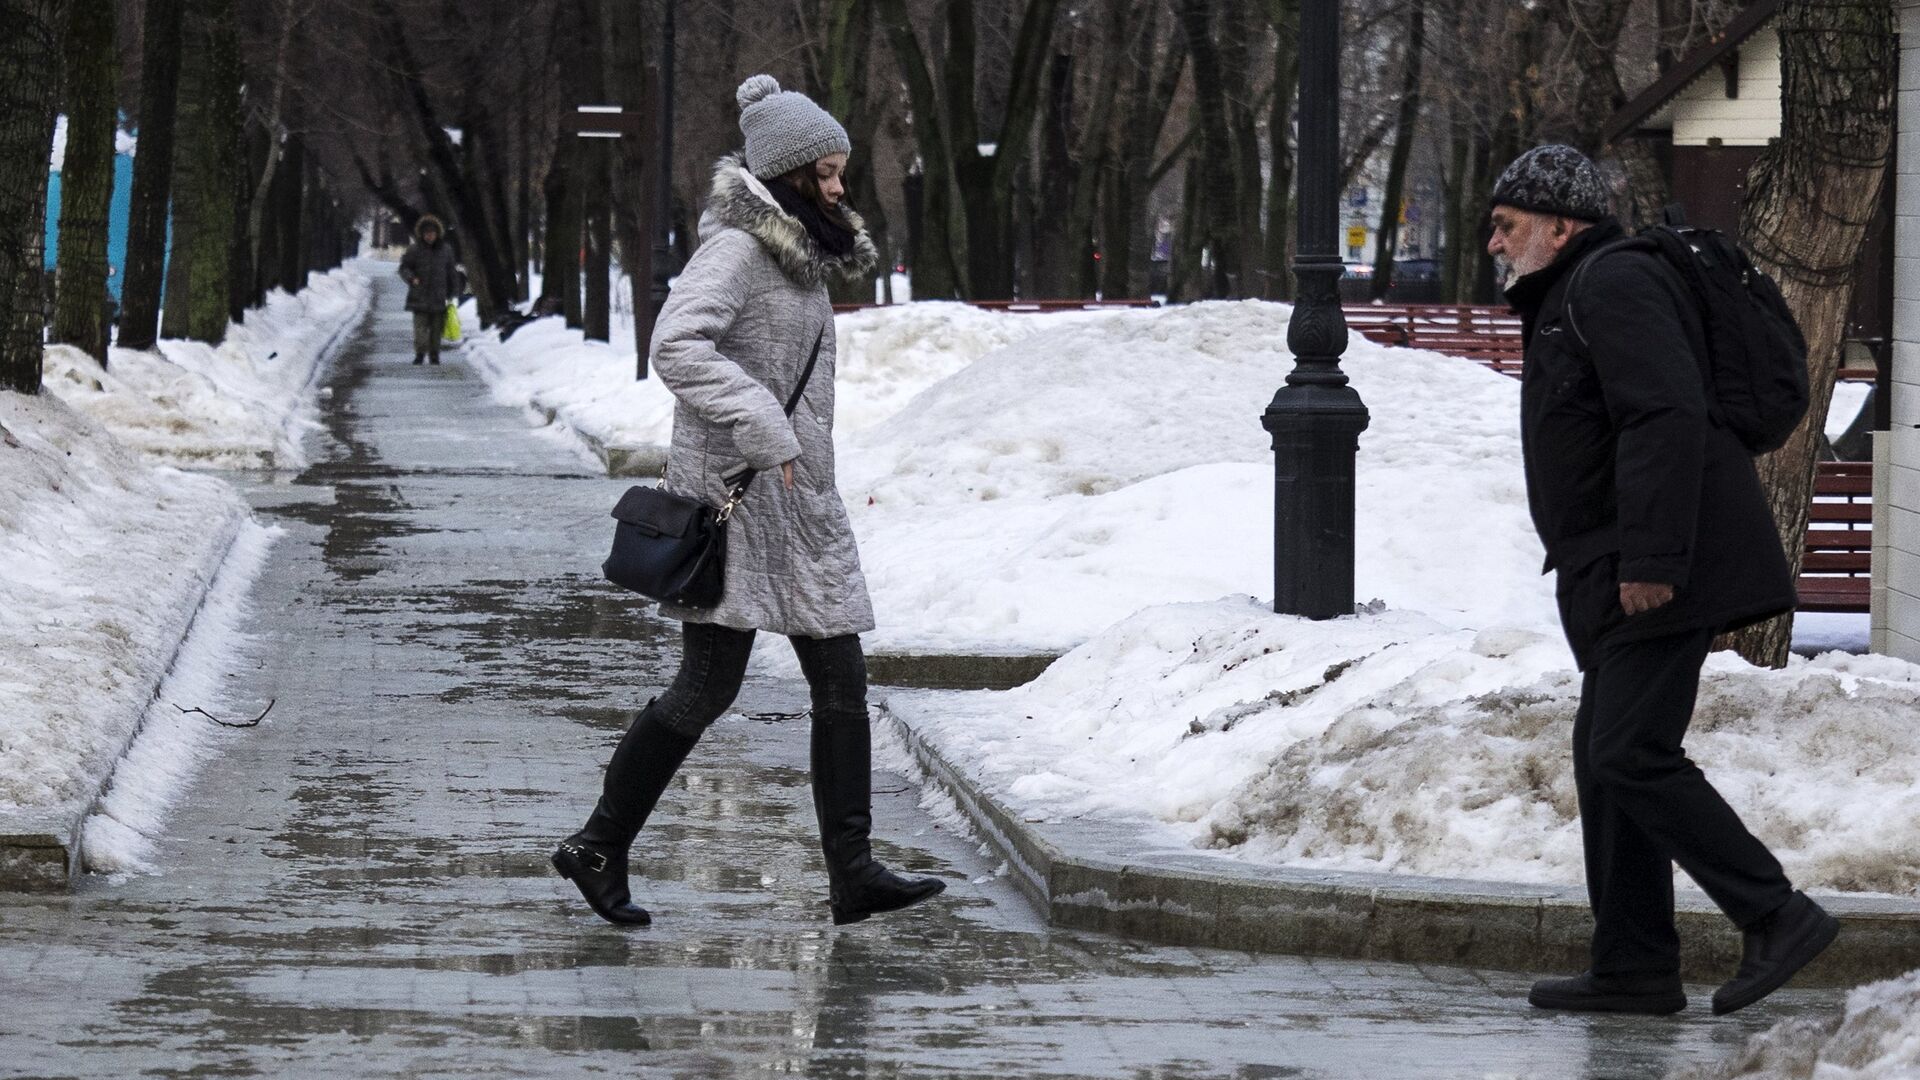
[600, 872]
[419, 358]
[1648, 995]
[1774, 950]
[595, 858]
[434, 360]
[858, 885]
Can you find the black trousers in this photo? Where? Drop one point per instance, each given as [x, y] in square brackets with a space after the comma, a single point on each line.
[713, 664]
[1644, 806]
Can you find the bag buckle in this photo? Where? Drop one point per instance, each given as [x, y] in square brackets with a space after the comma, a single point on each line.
[733, 500]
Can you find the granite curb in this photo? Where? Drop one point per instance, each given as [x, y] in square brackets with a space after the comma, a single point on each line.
[1119, 877]
[955, 671]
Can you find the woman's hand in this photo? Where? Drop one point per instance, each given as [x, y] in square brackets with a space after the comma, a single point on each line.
[786, 474]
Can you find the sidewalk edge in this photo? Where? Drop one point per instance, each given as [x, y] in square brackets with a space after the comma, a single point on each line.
[1176, 898]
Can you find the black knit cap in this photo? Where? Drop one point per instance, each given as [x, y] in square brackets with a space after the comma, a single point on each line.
[1554, 179]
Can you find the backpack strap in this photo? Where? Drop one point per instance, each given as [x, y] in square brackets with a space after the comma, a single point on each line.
[1579, 272]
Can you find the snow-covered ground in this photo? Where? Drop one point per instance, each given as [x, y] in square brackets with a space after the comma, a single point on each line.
[1398, 742]
[103, 560]
[1020, 482]
[108, 548]
[243, 405]
[175, 739]
[1876, 1038]
[886, 357]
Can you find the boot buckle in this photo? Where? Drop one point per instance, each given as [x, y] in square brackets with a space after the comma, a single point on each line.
[585, 854]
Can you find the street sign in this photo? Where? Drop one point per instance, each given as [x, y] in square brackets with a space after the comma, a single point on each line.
[1357, 236]
[601, 122]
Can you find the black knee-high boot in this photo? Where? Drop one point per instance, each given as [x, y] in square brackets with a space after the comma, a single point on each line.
[595, 858]
[858, 884]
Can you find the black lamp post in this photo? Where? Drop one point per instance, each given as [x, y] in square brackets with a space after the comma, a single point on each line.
[663, 204]
[1316, 418]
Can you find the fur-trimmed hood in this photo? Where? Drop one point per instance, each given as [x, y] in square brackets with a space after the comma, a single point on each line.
[739, 200]
[420, 227]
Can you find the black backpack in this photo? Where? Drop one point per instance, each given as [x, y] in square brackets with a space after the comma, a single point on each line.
[1756, 362]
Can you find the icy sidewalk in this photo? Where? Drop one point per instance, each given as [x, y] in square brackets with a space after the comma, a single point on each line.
[1392, 786]
[107, 551]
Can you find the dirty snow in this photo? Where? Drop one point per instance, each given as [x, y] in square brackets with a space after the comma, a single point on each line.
[1876, 1038]
[246, 404]
[1398, 742]
[174, 741]
[103, 560]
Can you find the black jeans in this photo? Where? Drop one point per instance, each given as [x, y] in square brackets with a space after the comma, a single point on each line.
[713, 664]
[1645, 806]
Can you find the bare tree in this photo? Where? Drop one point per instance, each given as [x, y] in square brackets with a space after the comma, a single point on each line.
[161, 33]
[1811, 197]
[89, 87]
[29, 67]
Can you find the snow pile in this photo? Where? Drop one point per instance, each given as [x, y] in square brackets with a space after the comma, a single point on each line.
[120, 836]
[1877, 1038]
[102, 562]
[1116, 461]
[1396, 742]
[245, 404]
[887, 355]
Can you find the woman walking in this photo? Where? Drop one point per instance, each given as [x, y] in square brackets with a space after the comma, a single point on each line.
[732, 342]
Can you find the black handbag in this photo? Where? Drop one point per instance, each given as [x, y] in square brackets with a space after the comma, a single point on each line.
[672, 548]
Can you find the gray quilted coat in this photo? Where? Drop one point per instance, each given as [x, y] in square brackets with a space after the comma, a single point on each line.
[731, 343]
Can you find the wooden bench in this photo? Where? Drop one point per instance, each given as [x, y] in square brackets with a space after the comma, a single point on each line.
[1836, 574]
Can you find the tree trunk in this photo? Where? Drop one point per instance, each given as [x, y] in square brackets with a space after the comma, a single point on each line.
[1455, 264]
[1277, 280]
[152, 175]
[272, 124]
[204, 172]
[939, 255]
[596, 305]
[1149, 101]
[1811, 197]
[90, 86]
[1403, 128]
[560, 258]
[29, 75]
[1055, 252]
[290, 222]
[1218, 200]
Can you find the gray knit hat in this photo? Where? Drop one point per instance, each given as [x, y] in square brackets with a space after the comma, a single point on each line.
[785, 129]
[1554, 179]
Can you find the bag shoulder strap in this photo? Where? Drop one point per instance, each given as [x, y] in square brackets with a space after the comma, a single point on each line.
[738, 481]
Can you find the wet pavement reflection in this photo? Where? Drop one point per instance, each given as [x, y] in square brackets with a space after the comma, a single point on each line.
[359, 887]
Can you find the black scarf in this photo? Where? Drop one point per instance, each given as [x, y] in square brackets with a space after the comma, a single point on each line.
[828, 228]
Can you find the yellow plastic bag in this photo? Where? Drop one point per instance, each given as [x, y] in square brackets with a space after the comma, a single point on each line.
[452, 330]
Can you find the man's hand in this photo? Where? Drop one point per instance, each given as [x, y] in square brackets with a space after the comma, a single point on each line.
[786, 474]
[1638, 597]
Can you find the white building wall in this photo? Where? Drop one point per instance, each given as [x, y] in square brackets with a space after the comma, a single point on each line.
[1703, 110]
[1896, 553]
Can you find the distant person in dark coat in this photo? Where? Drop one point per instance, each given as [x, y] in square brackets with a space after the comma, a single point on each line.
[1654, 519]
[432, 280]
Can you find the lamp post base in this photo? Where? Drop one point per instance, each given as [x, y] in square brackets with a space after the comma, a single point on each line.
[1316, 439]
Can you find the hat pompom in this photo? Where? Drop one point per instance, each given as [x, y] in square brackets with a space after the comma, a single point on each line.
[754, 89]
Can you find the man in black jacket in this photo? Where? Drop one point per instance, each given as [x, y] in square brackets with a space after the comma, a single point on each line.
[1655, 521]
